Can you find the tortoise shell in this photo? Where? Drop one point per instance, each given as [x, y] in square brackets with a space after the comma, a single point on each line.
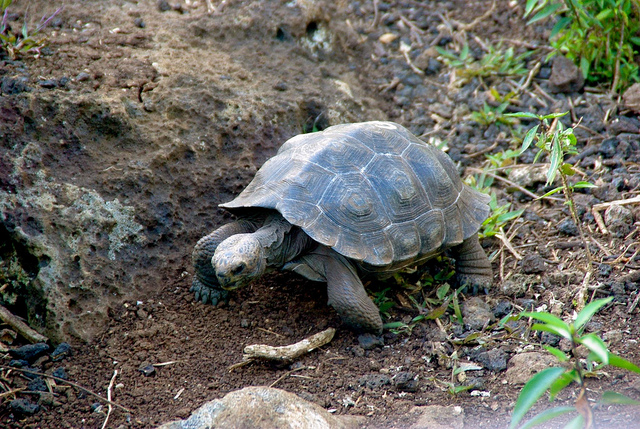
[372, 191]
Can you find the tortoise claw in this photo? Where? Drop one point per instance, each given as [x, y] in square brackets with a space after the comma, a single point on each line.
[206, 294]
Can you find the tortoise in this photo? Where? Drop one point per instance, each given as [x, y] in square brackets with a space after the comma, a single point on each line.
[352, 201]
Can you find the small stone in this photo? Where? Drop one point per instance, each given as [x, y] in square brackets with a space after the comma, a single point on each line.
[502, 308]
[139, 22]
[63, 350]
[619, 220]
[148, 370]
[48, 83]
[370, 341]
[63, 81]
[439, 416]
[476, 313]
[532, 264]
[524, 365]
[82, 76]
[608, 147]
[30, 352]
[374, 381]
[24, 407]
[60, 373]
[18, 363]
[47, 399]
[163, 5]
[631, 98]
[406, 381]
[568, 227]
[37, 385]
[493, 360]
[280, 86]
[357, 351]
[605, 270]
[96, 407]
[244, 323]
[565, 76]
[550, 339]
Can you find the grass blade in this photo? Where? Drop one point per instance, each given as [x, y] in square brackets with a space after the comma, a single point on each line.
[587, 313]
[609, 397]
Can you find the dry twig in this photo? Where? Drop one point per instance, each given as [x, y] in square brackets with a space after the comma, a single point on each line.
[290, 352]
[71, 383]
[109, 407]
[22, 328]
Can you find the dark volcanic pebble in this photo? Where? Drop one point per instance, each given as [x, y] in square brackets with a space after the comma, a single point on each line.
[370, 341]
[63, 350]
[37, 385]
[532, 264]
[568, 227]
[60, 373]
[493, 360]
[148, 370]
[18, 363]
[24, 406]
[30, 351]
[406, 381]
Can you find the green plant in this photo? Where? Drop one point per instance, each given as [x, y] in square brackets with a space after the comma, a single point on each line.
[496, 62]
[573, 369]
[16, 44]
[499, 215]
[556, 141]
[599, 35]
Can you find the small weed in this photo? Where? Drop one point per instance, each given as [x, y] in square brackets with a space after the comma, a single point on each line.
[496, 62]
[572, 370]
[599, 35]
[556, 141]
[24, 42]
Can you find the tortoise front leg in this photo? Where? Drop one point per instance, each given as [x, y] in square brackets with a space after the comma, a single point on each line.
[348, 296]
[473, 268]
[205, 283]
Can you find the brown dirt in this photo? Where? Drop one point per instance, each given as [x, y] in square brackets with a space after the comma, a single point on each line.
[160, 322]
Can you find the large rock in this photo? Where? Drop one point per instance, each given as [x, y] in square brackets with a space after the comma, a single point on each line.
[261, 407]
[108, 180]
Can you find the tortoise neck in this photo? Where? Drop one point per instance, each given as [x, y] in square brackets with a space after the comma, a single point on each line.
[281, 240]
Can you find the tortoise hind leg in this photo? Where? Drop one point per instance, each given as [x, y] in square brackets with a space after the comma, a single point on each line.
[205, 283]
[473, 268]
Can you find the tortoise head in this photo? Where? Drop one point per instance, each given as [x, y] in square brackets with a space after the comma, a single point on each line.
[238, 260]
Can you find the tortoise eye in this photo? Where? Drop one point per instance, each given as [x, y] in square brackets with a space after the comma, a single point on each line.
[239, 269]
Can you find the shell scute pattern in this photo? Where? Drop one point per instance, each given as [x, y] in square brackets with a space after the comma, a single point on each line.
[373, 191]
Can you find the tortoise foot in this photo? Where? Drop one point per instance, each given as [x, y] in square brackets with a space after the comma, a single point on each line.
[206, 294]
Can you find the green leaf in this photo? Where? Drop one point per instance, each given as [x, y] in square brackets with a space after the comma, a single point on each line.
[530, 5]
[560, 25]
[581, 185]
[609, 397]
[555, 159]
[618, 362]
[532, 391]
[585, 66]
[559, 354]
[576, 423]
[551, 329]
[394, 325]
[4, 4]
[547, 415]
[635, 40]
[464, 52]
[597, 346]
[522, 115]
[551, 192]
[590, 309]
[567, 169]
[563, 381]
[545, 12]
[553, 322]
[555, 115]
[442, 291]
[528, 138]
[456, 308]
[604, 14]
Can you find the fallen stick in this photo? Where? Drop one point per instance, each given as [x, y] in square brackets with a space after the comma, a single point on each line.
[22, 328]
[109, 407]
[285, 353]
